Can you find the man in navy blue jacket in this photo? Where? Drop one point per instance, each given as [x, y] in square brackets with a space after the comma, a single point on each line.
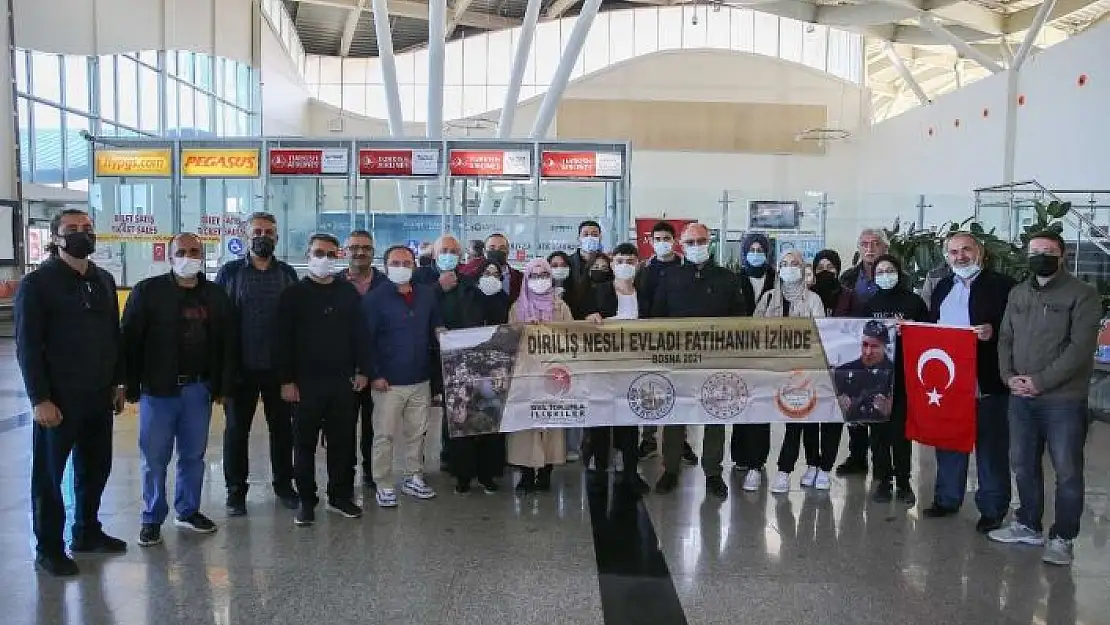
[254, 284]
[402, 320]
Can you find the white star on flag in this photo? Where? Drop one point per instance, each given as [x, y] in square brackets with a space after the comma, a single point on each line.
[934, 397]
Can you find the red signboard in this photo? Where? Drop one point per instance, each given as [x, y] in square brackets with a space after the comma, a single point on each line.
[158, 252]
[643, 234]
[491, 163]
[561, 164]
[375, 163]
[307, 162]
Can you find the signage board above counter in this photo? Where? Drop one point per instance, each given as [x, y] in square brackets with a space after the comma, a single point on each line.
[220, 162]
[398, 163]
[581, 165]
[491, 163]
[145, 163]
[309, 161]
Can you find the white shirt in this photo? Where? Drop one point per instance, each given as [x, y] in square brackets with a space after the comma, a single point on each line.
[955, 310]
[628, 307]
[757, 284]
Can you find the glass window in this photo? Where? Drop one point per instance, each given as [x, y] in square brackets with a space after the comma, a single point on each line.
[595, 51]
[354, 98]
[790, 40]
[743, 30]
[186, 95]
[46, 76]
[204, 112]
[474, 100]
[331, 94]
[21, 57]
[622, 36]
[128, 92]
[229, 92]
[670, 28]
[547, 52]
[409, 103]
[185, 65]
[452, 102]
[231, 122]
[77, 82]
[245, 85]
[815, 46]
[47, 132]
[406, 68]
[24, 139]
[376, 106]
[149, 58]
[244, 124]
[452, 65]
[500, 53]
[204, 71]
[77, 150]
[718, 27]
[579, 63]
[475, 57]
[150, 108]
[172, 125]
[421, 104]
[420, 71]
[766, 34]
[171, 63]
[108, 88]
[646, 31]
[218, 119]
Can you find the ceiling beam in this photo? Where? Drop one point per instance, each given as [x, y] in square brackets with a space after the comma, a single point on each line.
[1023, 19]
[964, 48]
[414, 9]
[906, 75]
[457, 13]
[349, 28]
[559, 8]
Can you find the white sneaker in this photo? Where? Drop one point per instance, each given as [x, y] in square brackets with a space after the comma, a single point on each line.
[823, 481]
[1015, 533]
[387, 497]
[809, 477]
[414, 486]
[1059, 552]
[753, 480]
[781, 483]
[573, 456]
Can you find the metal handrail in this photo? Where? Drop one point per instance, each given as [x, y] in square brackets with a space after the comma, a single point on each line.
[1084, 221]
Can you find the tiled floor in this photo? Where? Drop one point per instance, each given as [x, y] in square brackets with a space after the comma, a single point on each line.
[502, 560]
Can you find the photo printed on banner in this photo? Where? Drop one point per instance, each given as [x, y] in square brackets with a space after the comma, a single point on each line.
[860, 353]
[477, 373]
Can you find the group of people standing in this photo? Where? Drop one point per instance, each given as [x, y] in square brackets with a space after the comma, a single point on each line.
[341, 346]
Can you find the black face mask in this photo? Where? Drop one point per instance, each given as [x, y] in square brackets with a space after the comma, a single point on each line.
[79, 244]
[497, 257]
[425, 261]
[826, 280]
[262, 247]
[601, 275]
[1044, 265]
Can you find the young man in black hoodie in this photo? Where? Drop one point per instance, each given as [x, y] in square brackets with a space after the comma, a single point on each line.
[890, 450]
[319, 362]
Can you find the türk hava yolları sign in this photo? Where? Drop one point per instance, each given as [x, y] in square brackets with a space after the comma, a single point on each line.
[375, 163]
[219, 163]
[563, 164]
[491, 163]
[308, 162]
[133, 163]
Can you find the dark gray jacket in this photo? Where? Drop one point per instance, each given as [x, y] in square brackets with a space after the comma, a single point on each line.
[1049, 333]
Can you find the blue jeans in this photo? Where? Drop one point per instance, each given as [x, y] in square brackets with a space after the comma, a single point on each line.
[163, 420]
[992, 457]
[1061, 426]
[574, 439]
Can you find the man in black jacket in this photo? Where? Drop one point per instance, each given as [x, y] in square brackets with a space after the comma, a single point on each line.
[68, 348]
[319, 360]
[701, 288]
[975, 296]
[254, 284]
[179, 348]
[581, 261]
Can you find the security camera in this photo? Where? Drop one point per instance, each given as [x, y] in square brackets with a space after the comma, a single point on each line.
[694, 19]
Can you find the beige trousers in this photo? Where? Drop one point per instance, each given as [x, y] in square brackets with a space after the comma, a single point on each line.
[408, 407]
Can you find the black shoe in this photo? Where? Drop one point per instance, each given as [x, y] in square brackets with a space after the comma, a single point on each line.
[543, 479]
[527, 482]
[906, 495]
[150, 534]
[97, 542]
[288, 498]
[715, 486]
[369, 482]
[462, 487]
[884, 493]
[236, 505]
[937, 511]
[852, 467]
[988, 524]
[196, 522]
[688, 455]
[305, 516]
[667, 483]
[489, 485]
[346, 507]
[58, 565]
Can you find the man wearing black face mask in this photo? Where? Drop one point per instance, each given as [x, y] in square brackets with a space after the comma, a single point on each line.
[68, 347]
[254, 285]
[497, 252]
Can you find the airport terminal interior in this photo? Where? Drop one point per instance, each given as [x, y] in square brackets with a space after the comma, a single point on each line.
[861, 126]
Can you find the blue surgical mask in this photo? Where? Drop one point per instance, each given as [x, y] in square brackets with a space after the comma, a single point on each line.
[697, 254]
[756, 259]
[590, 244]
[886, 281]
[447, 262]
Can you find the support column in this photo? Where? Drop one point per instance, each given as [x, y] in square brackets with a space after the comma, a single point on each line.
[1031, 35]
[930, 24]
[1009, 150]
[908, 80]
[384, 35]
[566, 64]
[437, 25]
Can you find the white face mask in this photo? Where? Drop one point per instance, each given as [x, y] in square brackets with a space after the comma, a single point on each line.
[187, 267]
[662, 248]
[623, 271]
[590, 244]
[697, 254]
[791, 275]
[321, 267]
[967, 272]
[886, 281]
[489, 285]
[539, 286]
[399, 275]
[560, 273]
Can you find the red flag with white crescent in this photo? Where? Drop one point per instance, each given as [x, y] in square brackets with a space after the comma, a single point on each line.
[941, 385]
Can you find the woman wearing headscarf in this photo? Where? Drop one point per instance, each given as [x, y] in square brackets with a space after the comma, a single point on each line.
[536, 451]
[839, 301]
[471, 304]
[757, 278]
[890, 450]
[789, 298]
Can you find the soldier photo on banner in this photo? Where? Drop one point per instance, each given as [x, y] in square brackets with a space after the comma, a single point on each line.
[680, 371]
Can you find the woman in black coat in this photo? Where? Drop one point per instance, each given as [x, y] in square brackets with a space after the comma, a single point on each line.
[890, 450]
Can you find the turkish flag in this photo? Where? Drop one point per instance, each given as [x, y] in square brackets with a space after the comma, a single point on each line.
[941, 385]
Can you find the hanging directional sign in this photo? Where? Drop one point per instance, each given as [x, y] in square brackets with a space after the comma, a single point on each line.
[491, 163]
[566, 164]
[393, 163]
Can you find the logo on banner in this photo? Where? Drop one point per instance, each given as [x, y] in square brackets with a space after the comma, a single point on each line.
[558, 381]
[651, 396]
[725, 395]
[797, 397]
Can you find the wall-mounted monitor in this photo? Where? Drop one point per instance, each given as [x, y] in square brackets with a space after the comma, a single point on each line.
[773, 215]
